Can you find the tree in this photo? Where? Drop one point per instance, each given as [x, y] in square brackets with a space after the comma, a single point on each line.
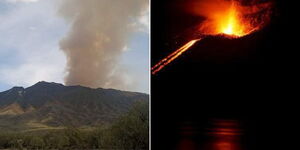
[56, 140]
[37, 142]
[132, 130]
[75, 136]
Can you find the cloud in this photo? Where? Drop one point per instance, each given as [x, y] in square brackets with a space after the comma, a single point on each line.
[30, 73]
[30, 52]
[141, 23]
[144, 22]
[29, 44]
[27, 1]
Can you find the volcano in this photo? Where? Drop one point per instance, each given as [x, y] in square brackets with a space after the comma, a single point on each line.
[221, 18]
[245, 79]
[48, 105]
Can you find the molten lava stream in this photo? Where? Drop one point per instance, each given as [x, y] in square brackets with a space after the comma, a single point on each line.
[160, 65]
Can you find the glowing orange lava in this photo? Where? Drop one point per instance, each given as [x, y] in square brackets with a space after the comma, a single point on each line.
[230, 17]
[227, 17]
[230, 23]
[172, 56]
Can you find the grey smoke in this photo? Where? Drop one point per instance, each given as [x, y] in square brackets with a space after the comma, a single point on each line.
[95, 42]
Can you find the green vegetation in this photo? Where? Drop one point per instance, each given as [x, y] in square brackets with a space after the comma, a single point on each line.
[130, 131]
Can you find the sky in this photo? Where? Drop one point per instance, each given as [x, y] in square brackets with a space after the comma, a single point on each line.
[30, 32]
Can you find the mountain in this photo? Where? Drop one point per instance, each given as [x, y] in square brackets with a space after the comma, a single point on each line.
[51, 105]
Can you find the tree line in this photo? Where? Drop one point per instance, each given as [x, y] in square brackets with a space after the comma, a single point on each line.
[130, 131]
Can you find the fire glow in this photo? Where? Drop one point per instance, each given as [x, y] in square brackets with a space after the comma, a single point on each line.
[222, 17]
[230, 17]
[230, 24]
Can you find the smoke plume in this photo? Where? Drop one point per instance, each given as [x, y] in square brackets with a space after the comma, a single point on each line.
[95, 42]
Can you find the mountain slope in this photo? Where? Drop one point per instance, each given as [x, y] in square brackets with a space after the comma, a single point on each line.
[53, 105]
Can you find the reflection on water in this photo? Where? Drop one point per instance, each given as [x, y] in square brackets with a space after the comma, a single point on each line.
[187, 141]
[224, 135]
[218, 135]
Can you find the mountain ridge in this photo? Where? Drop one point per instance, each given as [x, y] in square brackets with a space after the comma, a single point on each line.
[59, 84]
[55, 105]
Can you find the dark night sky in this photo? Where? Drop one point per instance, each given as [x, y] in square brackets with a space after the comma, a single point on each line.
[239, 79]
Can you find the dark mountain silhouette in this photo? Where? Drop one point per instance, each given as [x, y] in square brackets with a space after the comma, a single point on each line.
[249, 79]
[52, 105]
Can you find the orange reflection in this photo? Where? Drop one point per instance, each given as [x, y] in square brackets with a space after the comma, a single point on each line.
[225, 135]
[187, 141]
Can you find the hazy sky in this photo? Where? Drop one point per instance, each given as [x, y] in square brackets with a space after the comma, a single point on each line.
[30, 32]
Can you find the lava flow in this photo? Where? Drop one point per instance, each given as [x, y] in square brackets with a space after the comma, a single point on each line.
[225, 17]
[172, 56]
